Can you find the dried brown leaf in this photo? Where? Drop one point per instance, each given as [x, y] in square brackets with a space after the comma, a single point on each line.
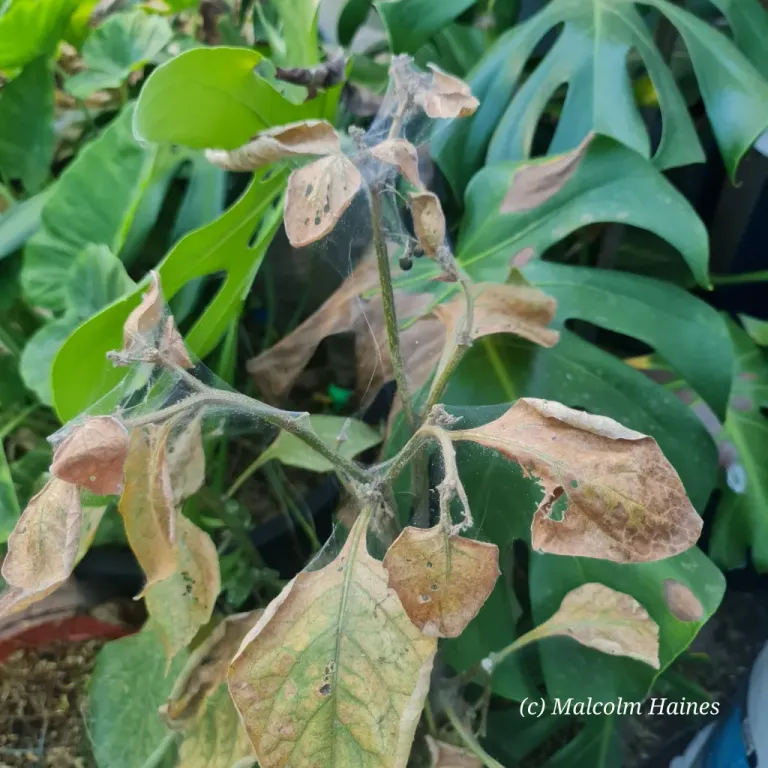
[447, 756]
[93, 454]
[622, 499]
[147, 504]
[334, 670]
[171, 346]
[186, 461]
[442, 580]
[206, 669]
[317, 196]
[538, 181]
[609, 621]
[183, 602]
[682, 602]
[308, 137]
[146, 317]
[428, 221]
[403, 155]
[446, 96]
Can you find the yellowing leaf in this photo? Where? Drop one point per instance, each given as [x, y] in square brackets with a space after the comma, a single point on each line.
[218, 739]
[309, 137]
[446, 96]
[447, 756]
[317, 196]
[334, 674]
[186, 461]
[442, 580]
[147, 503]
[183, 602]
[206, 669]
[609, 621]
[428, 221]
[92, 455]
[682, 602]
[622, 499]
[402, 154]
[537, 182]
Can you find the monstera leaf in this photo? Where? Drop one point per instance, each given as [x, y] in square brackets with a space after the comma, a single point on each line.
[590, 56]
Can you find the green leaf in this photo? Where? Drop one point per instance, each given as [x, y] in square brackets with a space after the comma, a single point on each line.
[741, 523]
[288, 449]
[757, 329]
[410, 23]
[26, 125]
[20, 222]
[686, 332]
[39, 353]
[234, 244]
[749, 24]
[29, 28]
[94, 201]
[130, 681]
[597, 745]
[590, 56]
[612, 184]
[299, 32]
[351, 18]
[455, 49]
[124, 43]
[10, 511]
[211, 97]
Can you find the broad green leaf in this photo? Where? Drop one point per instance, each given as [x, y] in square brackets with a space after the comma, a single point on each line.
[94, 201]
[124, 43]
[234, 244]
[351, 436]
[351, 18]
[411, 23]
[10, 511]
[742, 515]
[686, 332]
[590, 56]
[299, 32]
[217, 739]
[597, 745]
[26, 125]
[129, 682]
[456, 48]
[334, 673]
[30, 28]
[211, 97]
[95, 279]
[757, 329]
[612, 184]
[749, 24]
[19, 222]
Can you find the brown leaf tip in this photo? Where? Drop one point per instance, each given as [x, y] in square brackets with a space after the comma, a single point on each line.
[92, 455]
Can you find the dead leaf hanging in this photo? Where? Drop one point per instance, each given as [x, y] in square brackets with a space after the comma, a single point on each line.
[92, 455]
[146, 317]
[147, 503]
[308, 137]
[621, 499]
[334, 669]
[172, 349]
[442, 580]
[446, 96]
[609, 621]
[428, 221]
[317, 196]
[402, 154]
[186, 460]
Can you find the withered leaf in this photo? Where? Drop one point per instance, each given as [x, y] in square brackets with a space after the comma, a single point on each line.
[308, 137]
[446, 96]
[441, 579]
[186, 461]
[334, 673]
[682, 602]
[206, 669]
[183, 602]
[403, 155]
[147, 504]
[171, 346]
[317, 196]
[539, 180]
[447, 756]
[622, 499]
[428, 221]
[609, 621]
[146, 317]
[93, 454]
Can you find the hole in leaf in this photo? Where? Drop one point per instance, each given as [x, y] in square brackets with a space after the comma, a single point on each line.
[325, 690]
[557, 511]
[308, 190]
[424, 598]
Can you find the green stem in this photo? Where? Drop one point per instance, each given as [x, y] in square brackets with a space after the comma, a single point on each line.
[742, 279]
[468, 738]
[390, 313]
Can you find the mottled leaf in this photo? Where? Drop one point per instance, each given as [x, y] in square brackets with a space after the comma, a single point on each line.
[402, 154]
[441, 579]
[317, 196]
[92, 455]
[620, 498]
[309, 137]
[681, 601]
[186, 461]
[428, 221]
[334, 673]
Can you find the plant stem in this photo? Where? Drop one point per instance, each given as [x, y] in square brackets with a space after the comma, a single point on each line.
[390, 314]
[156, 758]
[468, 738]
[742, 279]
[398, 463]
